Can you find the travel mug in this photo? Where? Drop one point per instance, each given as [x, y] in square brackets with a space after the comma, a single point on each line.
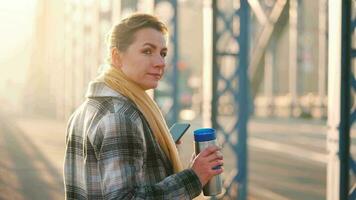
[204, 138]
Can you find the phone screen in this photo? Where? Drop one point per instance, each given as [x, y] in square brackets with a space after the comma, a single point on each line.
[178, 130]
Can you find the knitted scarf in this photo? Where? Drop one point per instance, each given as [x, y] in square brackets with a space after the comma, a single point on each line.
[118, 81]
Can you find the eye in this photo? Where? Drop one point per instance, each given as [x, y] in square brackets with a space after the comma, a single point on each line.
[147, 51]
[164, 54]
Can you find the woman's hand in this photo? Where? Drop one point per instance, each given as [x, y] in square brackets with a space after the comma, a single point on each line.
[205, 161]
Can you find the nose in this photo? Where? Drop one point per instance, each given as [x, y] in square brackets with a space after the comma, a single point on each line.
[159, 62]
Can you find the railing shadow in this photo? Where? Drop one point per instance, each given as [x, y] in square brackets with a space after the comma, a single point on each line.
[36, 176]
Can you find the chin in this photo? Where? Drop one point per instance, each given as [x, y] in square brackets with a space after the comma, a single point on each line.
[150, 86]
[154, 85]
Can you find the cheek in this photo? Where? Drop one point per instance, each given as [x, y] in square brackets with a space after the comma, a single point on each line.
[137, 71]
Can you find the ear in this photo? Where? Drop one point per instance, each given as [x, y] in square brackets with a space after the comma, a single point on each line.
[116, 57]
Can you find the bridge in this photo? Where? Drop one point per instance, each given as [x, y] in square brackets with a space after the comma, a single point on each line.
[274, 77]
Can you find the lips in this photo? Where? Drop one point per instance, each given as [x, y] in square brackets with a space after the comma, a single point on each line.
[156, 75]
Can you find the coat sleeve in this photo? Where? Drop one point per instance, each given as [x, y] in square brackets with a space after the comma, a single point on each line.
[121, 165]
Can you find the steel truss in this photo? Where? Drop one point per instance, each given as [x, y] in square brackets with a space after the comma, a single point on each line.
[230, 87]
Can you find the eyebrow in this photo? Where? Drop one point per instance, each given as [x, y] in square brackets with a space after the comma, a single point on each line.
[154, 46]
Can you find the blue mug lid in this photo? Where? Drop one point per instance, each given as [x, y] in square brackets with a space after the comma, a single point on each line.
[204, 134]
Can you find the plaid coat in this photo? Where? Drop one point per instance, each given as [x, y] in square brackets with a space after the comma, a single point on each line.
[111, 153]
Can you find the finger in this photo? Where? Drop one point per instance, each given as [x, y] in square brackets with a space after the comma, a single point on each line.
[216, 164]
[214, 156]
[192, 157]
[209, 150]
[179, 142]
[219, 154]
[217, 171]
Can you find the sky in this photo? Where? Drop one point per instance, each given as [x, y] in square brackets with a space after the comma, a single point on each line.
[16, 28]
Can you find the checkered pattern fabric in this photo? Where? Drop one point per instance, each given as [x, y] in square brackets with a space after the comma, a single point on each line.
[111, 153]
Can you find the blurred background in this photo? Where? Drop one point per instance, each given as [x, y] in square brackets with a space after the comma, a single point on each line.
[259, 75]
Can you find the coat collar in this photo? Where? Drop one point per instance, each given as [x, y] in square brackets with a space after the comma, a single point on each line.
[100, 89]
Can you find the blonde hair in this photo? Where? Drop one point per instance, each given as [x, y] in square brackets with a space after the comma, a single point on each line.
[122, 35]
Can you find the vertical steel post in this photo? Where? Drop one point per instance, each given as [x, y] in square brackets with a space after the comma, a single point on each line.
[322, 57]
[230, 55]
[243, 98]
[268, 78]
[207, 63]
[352, 163]
[175, 73]
[293, 55]
[215, 75]
[338, 141]
[334, 84]
[344, 141]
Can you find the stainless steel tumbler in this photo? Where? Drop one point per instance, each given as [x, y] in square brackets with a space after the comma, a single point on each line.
[204, 138]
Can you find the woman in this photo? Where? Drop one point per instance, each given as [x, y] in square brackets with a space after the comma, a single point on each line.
[118, 144]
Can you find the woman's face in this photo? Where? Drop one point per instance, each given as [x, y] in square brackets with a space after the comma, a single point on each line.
[144, 60]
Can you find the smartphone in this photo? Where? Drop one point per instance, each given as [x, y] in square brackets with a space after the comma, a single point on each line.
[178, 130]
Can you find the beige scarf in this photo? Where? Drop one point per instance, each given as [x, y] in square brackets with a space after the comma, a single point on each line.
[118, 81]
